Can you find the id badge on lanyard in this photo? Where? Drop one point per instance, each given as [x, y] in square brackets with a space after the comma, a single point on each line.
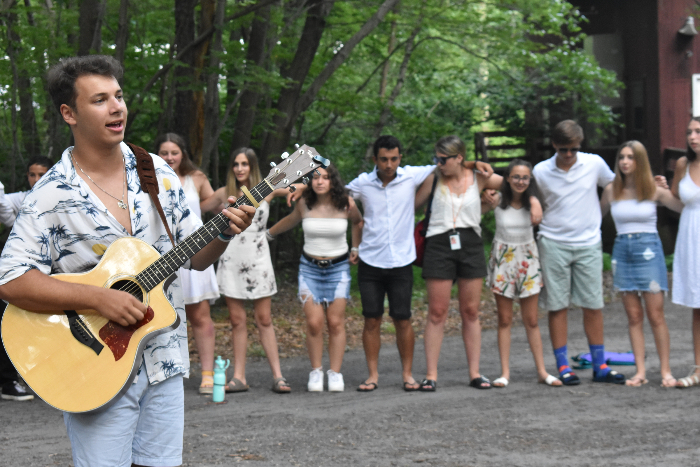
[455, 242]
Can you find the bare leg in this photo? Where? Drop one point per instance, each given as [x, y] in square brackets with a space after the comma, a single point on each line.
[335, 315]
[405, 341]
[438, 304]
[314, 331]
[593, 325]
[239, 336]
[504, 306]
[635, 316]
[558, 327]
[371, 341]
[528, 309]
[199, 317]
[469, 297]
[263, 319]
[655, 312]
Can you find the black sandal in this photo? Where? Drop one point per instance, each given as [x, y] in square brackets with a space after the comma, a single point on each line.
[428, 385]
[480, 383]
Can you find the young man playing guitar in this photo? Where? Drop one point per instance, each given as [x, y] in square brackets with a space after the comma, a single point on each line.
[89, 199]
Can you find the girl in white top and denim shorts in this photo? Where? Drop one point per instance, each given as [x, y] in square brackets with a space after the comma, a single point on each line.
[324, 268]
[639, 269]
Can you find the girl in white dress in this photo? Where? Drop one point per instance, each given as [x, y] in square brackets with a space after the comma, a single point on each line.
[514, 268]
[324, 269]
[245, 273]
[198, 287]
[639, 269]
[686, 259]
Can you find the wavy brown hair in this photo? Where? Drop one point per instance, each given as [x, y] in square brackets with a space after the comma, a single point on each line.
[254, 177]
[337, 192]
[186, 165]
[643, 178]
[532, 189]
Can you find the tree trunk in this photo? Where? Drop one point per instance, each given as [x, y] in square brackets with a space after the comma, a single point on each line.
[12, 54]
[211, 99]
[245, 118]
[122, 31]
[90, 26]
[291, 104]
[184, 75]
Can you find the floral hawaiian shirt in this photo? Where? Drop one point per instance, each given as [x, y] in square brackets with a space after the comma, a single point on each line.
[63, 227]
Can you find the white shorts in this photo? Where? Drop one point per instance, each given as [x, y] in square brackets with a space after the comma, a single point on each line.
[145, 427]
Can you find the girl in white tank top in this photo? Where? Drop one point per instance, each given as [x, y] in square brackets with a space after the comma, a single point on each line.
[514, 267]
[324, 269]
[639, 269]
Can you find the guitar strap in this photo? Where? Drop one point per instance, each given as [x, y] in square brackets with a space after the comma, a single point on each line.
[149, 182]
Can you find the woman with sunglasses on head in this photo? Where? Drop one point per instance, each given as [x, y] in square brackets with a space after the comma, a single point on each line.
[639, 269]
[686, 258]
[198, 287]
[245, 273]
[514, 268]
[324, 269]
[454, 251]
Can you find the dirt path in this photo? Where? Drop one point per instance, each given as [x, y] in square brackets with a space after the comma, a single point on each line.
[526, 424]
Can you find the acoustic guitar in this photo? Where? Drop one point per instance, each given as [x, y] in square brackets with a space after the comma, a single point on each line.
[77, 360]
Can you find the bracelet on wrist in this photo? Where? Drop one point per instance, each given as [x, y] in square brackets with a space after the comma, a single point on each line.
[354, 249]
[269, 236]
[225, 238]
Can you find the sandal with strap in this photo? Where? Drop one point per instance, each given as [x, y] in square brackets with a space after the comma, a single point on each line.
[207, 385]
[280, 386]
[688, 381]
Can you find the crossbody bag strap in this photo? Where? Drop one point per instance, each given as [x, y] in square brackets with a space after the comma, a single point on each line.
[426, 219]
[149, 182]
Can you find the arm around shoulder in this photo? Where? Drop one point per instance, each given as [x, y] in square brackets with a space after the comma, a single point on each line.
[678, 174]
[605, 200]
[288, 221]
[666, 198]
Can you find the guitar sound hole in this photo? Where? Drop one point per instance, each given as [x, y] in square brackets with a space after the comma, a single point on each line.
[130, 287]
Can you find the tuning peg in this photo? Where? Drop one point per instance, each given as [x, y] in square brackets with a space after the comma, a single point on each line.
[285, 155]
[292, 188]
[272, 164]
[305, 180]
[296, 146]
[317, 172]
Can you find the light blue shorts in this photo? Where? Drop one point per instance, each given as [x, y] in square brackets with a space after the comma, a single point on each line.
[323, 285]
[573, 275]
[145, 427]
[638, 263]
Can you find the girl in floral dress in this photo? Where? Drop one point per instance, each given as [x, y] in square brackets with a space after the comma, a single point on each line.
[514, 267]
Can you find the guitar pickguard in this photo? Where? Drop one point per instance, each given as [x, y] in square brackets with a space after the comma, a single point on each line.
[117, 337]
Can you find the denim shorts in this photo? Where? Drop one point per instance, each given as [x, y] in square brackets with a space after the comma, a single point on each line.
[145, 427]
[638, 263]
[323, 285]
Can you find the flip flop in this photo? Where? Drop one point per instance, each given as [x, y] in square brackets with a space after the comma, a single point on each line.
[480, 383]
[408, 386]
[500, 383]
[237, 386]
[636, 382]
[669, 382]
[370, 389]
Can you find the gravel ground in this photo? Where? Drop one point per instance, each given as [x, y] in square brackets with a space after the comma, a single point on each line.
[526, 424]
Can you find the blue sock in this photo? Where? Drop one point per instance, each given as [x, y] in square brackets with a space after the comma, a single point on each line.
[600, 368]
[562, 356]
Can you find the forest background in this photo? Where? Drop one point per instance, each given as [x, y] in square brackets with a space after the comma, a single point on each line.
[328, 73]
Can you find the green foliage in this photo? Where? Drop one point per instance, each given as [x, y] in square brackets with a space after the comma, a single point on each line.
[607, 262]
[669, 262]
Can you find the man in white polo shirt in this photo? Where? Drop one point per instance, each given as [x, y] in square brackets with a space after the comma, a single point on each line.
[570, 247]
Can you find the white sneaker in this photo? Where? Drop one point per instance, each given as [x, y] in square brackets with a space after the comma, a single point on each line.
[315, 380]
[335, 381]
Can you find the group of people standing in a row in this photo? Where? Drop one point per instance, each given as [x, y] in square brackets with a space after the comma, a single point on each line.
[559, 269]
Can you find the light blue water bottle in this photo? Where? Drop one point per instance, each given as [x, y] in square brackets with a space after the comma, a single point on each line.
[220, 367]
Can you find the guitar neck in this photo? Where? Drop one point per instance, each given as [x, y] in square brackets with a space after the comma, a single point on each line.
[173, 260]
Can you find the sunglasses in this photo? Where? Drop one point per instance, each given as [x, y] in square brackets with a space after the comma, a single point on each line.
[443, 160]
[568, 150]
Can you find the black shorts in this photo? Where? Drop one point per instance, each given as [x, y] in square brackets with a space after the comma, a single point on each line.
[442, 262]
[375, 283]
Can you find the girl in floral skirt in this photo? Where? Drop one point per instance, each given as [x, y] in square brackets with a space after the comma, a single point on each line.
[514, 267]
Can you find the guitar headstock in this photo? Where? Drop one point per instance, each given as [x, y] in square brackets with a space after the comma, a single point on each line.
[295, 166]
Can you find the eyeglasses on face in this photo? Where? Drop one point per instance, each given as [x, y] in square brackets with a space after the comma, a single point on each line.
[443, 160]
[518, 178]
[568, 150]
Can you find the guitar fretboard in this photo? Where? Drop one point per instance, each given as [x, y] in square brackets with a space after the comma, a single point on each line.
[170, 262]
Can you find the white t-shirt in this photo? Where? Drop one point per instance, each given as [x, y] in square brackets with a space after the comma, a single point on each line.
[10, 203]
[572, 215]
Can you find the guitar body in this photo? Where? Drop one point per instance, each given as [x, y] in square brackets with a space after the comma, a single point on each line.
[70, 375]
